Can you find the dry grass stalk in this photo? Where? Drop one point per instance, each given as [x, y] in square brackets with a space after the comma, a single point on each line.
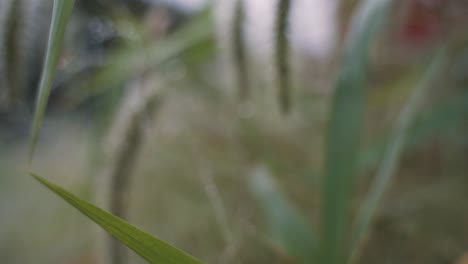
[282, 54]
[125, 139]
[240, 59]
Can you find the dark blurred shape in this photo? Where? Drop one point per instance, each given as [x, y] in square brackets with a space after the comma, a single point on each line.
[92, 35]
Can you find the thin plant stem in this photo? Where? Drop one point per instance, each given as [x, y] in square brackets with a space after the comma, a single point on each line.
[126, 138]
[240, 57]
[217, 204]
[392, 156]
[228, 255]
[12, 56]
[282, 55]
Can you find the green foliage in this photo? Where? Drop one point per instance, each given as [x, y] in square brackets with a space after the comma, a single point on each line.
[287, 227]
[345, 128]
[60, 15]
[150, 248]
[390, 160]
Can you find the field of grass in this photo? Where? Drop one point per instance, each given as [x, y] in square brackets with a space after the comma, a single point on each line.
[364, 163]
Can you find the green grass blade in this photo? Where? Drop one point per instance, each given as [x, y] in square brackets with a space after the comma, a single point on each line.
[287, 227]
[391, 158]
[345, 128]
[60, 15]
[150, 248]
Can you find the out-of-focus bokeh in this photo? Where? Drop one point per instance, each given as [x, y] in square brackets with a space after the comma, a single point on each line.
[150, 89]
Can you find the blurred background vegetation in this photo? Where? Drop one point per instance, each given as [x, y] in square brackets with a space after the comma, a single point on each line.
[180, 104]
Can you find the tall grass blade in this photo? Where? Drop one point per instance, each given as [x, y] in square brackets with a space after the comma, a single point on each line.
[150, 248]
[61, 13]
[390, 161]
[345, 128]
[287, 227]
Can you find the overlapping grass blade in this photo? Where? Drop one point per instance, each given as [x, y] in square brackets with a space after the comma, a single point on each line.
[60, 16]
[390, 161]
[345, 126]
[287, 227]
[150, 248]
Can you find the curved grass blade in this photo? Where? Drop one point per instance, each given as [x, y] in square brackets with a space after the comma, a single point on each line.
[344, 128]
[61, 13]
[150, 248]
[287, 227]
[391, 158]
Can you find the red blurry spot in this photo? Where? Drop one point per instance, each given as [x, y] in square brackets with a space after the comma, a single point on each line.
[422, 24]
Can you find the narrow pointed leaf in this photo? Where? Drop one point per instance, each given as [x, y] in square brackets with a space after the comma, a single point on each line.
[391, 158]
[60, 15]
[287, 227]
[345, 128]
[150, 248]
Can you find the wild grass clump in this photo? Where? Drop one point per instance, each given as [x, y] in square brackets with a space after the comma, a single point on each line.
[337, 238]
